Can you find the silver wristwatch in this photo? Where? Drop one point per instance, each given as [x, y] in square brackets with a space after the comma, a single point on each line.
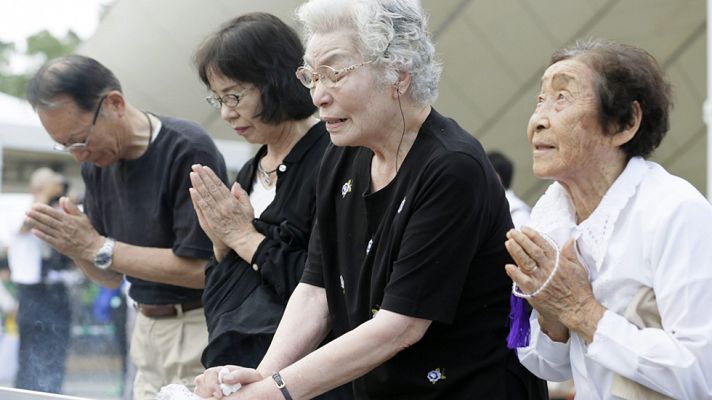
[104, 256]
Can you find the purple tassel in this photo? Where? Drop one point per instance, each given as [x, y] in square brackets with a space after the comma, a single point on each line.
[519, 329]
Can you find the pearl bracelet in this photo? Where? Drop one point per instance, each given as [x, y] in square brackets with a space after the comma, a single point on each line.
[519, 293]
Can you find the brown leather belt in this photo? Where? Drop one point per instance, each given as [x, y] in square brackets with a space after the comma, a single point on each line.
[167, 310]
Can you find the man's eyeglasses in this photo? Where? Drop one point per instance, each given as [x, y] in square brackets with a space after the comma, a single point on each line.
[81, 145]
[325, 74]
[230, 100]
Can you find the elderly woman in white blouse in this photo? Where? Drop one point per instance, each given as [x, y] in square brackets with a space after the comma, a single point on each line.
[617, 261]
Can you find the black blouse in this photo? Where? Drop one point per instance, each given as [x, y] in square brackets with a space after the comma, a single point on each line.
[428, 245]
[244, 300]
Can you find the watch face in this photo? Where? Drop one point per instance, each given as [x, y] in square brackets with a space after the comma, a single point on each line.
[102, 259]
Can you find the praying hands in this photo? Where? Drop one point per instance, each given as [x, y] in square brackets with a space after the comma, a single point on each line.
[224, 214]
[562, 296]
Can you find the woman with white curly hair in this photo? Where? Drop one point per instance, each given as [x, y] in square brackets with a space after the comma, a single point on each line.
[405, 260]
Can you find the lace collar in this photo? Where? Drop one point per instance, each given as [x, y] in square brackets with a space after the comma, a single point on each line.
[554, 214]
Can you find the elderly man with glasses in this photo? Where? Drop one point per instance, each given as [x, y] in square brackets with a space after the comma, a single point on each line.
[139, 219]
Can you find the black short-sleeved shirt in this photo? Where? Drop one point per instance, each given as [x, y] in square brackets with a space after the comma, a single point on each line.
[429, 245]
[244, 299]
[145, 202]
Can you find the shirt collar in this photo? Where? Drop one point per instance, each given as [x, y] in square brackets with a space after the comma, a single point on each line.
[300, 149]
[554, 213]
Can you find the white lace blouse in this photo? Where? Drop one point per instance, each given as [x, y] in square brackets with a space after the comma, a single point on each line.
[654, 229]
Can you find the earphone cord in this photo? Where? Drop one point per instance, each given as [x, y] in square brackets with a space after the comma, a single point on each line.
[400, 106]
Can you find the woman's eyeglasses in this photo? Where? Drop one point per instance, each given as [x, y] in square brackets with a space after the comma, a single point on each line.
[325, 74]
[230, 100]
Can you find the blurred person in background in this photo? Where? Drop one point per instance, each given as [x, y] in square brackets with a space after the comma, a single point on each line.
[405, 259]
[139, 219]
[44, 314]
[518, 209]
[617, 264]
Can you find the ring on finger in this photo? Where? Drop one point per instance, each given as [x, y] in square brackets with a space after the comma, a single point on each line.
[530, 267]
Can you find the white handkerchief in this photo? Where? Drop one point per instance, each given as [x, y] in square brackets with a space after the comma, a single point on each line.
[227, 389]
[176, 392]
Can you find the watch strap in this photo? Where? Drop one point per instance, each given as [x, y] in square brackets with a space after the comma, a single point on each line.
[105, 252]
[282, 387]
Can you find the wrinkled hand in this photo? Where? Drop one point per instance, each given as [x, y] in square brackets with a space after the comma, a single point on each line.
[568, 299]
[225, 214]
[68, 230]
[207, 384]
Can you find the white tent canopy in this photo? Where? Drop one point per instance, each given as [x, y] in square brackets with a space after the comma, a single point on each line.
[20, 128]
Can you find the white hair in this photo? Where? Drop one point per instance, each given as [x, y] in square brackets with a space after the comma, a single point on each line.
[391, 34]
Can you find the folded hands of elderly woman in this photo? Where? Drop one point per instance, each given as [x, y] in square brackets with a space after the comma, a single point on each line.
[224, 214]
[566, 303]
[208, 384]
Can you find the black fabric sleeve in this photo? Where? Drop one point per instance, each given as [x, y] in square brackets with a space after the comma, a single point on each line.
[440, 240]
[190, 240]
[313, 270]
[281, 257]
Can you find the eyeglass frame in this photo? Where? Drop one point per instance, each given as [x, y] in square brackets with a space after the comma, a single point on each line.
[82, 145]
[340, 74]
[217, 102]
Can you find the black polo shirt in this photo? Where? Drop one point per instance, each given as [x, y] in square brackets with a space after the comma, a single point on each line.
[145, 202]
[428, 245]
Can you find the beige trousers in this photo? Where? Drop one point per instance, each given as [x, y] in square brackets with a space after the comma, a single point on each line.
[167, 350]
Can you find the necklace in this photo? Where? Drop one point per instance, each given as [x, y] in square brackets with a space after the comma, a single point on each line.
[265, 175]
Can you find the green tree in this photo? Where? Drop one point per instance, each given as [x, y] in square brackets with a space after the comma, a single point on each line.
[51, 47]
[42, 44]
[6, 49]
